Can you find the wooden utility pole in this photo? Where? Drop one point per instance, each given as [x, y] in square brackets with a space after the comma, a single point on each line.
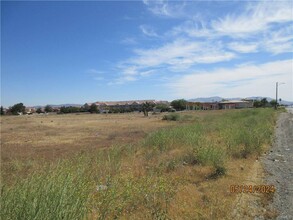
[276, 95]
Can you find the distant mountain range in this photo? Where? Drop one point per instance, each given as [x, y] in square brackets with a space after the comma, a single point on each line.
[218, 99]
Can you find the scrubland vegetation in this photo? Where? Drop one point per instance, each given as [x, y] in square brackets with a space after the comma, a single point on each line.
[179, 172]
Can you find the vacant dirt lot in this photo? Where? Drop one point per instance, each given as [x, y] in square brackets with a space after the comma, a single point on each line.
[55, 136]
[30, 140]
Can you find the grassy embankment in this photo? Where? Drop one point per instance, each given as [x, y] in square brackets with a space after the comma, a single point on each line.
[181, 172]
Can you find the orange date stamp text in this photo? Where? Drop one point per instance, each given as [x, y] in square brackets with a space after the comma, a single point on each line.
[252, 188]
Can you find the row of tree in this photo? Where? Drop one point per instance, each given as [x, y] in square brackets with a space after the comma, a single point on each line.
[19, 108]
[264, 103]
[180, 104]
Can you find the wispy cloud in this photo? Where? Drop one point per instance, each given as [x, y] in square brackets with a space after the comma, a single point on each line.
[280, 41]
[130, 71]
[244, 47]
[181, 52]
[165, 8]
[259, 27]
[257, 17]
[148, 31]
[194, 29]
[122, 80]
[246, 80]
[177, 56]
[129, 41]
[96, 75]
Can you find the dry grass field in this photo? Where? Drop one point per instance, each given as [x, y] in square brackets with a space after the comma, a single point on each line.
[155, 169]
[50, 137]
[39, 138]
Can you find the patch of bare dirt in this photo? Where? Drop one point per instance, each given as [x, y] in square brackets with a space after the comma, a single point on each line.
[278, 164]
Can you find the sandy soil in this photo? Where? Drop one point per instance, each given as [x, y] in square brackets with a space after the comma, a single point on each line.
[278, 164]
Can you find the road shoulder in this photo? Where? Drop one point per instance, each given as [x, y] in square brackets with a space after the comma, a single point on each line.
[278, 166]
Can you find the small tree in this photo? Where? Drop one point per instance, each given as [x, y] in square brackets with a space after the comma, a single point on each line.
[17, 108]
[179, 104]
[264, 102]
[163, 107]
[86, 107]
[146, 107]
[93, 108]
[2, 110]
[39, 110]
[273, 103]
[48, 108]
[256, 103]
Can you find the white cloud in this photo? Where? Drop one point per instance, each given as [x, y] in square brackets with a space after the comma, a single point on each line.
[95, 74]
[279, 41]
[130, 71]
[122, 79]
[260, 27]
[235, 26]
[243, 47]
[241, 81]
[177, 56]
[273, 11]
[257, 20]
[146, 2]
[181, 53]
[166, 8]
[194, 29]
[147, 73]
[258, 17]
[148, 31]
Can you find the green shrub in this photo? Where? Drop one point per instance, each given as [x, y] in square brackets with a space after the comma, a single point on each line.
[210, 155]
[172, 117]
[59, 194]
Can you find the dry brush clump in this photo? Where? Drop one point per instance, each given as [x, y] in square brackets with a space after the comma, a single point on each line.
[145, 180]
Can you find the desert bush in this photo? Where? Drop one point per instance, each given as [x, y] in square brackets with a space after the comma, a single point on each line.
[177, 117]
[209, 154]
[171, 117]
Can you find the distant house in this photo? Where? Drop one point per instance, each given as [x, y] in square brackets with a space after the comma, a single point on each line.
[202, 105]
[235, 104]
[210, 106]
[231, 104]
[30, 110]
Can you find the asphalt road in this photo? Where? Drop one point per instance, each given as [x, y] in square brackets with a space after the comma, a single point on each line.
[279, 165]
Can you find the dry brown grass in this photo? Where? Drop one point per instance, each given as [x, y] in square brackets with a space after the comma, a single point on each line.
[55, 136]
[28, 141]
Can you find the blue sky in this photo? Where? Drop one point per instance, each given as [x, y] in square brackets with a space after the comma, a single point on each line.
[76, 52]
